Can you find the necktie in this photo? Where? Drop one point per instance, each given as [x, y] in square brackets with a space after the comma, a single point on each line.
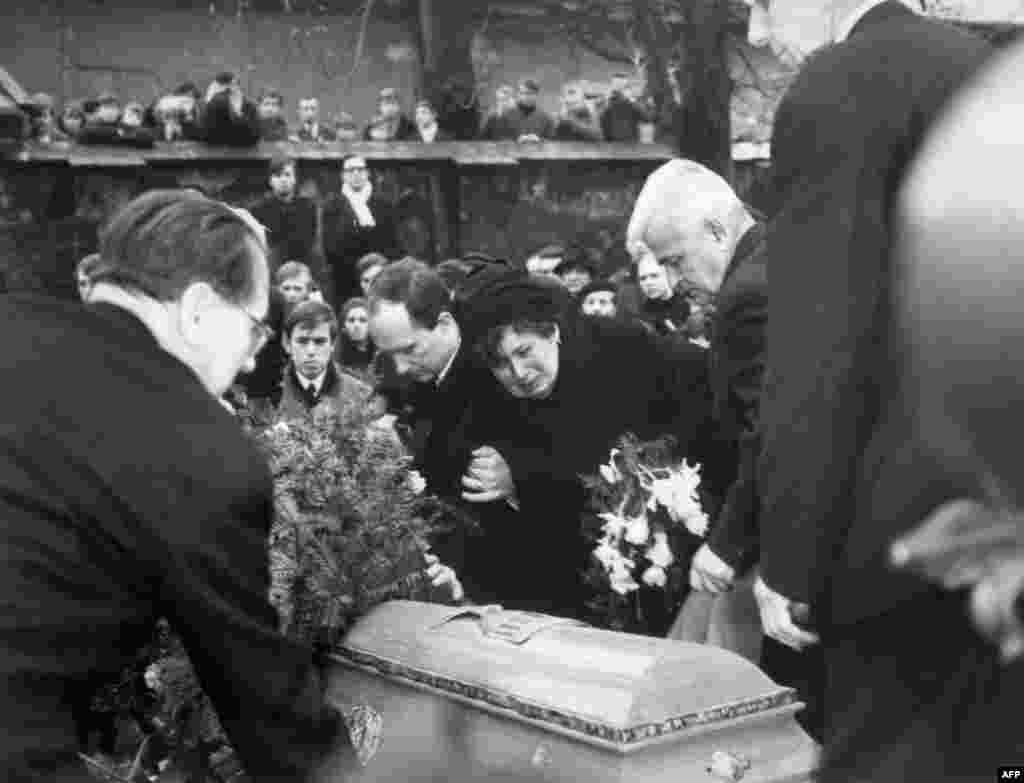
[311, 395]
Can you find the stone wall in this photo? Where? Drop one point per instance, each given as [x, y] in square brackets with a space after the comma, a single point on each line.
[501, 198]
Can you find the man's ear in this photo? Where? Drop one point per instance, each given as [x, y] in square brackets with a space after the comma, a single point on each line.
[194, 307]
[557, 336]
[716, 228]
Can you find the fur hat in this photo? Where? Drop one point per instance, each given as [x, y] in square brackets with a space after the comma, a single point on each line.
[505, 296]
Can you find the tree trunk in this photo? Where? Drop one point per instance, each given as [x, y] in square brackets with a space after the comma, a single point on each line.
[703, 124]
[448, 78]
[449, 83]
[655, 41]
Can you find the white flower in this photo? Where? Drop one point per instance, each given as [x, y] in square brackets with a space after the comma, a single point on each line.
[637, 530]
[609, 472]
[606, 554]
[614, 524]
[697, 524]
[655, 576]
[621, 578]
[417, 483]
[660, 554]
[678, 495]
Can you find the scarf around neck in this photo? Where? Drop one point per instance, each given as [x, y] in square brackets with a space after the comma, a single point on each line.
[360, 205]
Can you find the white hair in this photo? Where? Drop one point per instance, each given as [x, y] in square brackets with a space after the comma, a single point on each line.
[678, 198]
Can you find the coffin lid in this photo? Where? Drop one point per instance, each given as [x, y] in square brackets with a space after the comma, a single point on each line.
[618, 690]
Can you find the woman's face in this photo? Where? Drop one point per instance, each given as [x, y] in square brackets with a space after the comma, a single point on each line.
[357, 324]
[527, 363]
[652, 278]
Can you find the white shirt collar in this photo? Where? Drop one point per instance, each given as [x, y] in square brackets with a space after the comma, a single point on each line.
[317, 383]
[846, 24]
[447, 368]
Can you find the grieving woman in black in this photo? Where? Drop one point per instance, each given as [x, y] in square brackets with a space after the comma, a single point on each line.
[572, 385]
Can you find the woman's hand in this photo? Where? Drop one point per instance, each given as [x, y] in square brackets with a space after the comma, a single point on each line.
[488, 477]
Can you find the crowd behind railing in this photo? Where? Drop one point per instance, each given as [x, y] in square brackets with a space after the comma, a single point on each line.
[224, 115]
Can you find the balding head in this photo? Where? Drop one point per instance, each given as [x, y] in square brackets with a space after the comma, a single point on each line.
[687, 215]
[961, 257]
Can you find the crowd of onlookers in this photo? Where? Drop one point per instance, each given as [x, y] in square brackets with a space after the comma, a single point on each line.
[358, 242]
[224, 115]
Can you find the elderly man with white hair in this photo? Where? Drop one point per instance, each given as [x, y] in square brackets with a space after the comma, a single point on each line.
[690, 219]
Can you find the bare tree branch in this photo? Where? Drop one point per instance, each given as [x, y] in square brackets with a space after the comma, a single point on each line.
[357, 58]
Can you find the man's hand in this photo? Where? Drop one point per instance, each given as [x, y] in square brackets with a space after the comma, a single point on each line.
[777, 620]
[488, 477]
[708, 572]
[441, 575]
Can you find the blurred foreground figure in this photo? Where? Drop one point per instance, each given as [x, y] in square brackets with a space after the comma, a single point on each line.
[842, 471]
[132, 495]
[962, 274]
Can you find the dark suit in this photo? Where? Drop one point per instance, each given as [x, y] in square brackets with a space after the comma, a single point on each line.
[736, 370]
[345, 241]
[447, 428]
[126, 496]
[223, 127]
[291, 228]
[842, 471]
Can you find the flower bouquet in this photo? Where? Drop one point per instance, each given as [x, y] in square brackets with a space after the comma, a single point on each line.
[645, 520]
[351, 521]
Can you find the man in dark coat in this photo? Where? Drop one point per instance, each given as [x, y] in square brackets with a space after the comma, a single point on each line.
[526, 121]
[842, 470]
[132, 495]
[290, 219]
[229, 119]
[356, 221]
[413, 323]
[691, 219]
[621, 118]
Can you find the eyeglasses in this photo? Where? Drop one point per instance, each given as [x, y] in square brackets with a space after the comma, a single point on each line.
[260, 332]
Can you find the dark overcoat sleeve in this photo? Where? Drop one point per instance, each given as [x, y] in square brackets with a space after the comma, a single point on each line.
[738, 368]
[842, 139]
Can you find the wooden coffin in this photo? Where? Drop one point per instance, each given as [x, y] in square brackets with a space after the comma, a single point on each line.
[485, 694]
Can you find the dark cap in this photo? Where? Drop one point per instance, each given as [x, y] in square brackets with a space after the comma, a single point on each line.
[597, 285]
[575, 260]
[529, 85]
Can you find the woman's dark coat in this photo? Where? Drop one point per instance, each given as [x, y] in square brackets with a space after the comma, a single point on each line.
[613, 378]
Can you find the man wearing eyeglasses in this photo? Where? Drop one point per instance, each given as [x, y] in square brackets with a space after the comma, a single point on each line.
[356, 221]
[132, 495]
